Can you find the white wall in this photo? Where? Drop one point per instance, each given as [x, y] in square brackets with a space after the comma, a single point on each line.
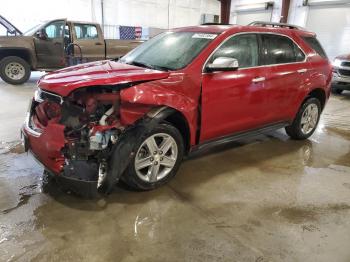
[147, 13]
[297, 12]
[276, 11]
[24, 14]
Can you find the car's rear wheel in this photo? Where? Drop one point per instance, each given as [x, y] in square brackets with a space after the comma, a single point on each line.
[305, 123]
[157, 159]
[14, 70]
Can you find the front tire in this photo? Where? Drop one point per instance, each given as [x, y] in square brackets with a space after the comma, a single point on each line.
[14, 70]
[157, 159]
[305, 123]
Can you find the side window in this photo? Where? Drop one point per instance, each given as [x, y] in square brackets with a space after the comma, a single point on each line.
[85, 31]
[281, 50]
[315, 45]
[55, 29]
[300, 56]
[242, 47]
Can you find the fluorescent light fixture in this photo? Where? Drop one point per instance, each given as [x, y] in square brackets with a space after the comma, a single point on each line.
[253, 7]
[325, 2]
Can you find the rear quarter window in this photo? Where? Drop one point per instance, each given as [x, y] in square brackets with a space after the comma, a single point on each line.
[280, 49]
[315, 45]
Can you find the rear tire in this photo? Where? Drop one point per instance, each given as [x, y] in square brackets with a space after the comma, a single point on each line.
[305, 122]
[14, 70]
[161, 160]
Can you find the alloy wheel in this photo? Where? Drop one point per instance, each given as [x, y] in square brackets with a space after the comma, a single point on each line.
[156, 157]
[309, 118]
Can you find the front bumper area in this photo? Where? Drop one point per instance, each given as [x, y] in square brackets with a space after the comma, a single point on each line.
[46, 146]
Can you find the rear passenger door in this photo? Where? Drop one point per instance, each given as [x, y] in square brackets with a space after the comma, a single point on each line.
[89, 42]
[287, 73]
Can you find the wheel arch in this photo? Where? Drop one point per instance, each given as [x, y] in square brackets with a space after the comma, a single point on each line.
[23, 53]
[318, 93]
[175, 118]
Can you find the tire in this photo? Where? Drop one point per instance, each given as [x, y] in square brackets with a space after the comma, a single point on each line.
[337, 91]
[14, 70]
[142, 179]
[299, 131]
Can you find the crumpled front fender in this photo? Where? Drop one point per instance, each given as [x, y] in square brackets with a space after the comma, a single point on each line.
[126, 148]
[155, 95]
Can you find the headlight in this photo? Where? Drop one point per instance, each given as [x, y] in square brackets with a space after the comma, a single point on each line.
[336, 62]
[37, 95]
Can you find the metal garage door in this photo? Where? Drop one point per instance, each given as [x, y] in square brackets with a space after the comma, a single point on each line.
[244, 18]
[332, 26]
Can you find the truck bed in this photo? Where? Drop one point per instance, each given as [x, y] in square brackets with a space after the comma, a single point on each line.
[116, 48]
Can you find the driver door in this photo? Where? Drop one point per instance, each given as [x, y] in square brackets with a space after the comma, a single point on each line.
[234, 101]
[49, 45]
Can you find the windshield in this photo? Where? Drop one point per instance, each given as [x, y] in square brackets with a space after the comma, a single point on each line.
[33, 30]
[169, 51]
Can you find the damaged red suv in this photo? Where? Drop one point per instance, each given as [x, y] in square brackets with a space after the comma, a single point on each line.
[181, 91]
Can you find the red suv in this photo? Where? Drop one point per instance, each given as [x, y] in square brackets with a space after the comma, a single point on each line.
[181, 91]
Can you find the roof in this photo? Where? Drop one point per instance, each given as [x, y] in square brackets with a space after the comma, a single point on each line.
[276, 28]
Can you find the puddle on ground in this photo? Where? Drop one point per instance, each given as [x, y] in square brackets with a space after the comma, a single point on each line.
[15, 147]
[25, 194]
[302, 214]
[341, 132]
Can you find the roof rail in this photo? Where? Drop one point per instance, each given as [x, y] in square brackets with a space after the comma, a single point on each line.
[272, 24]
[213, 23]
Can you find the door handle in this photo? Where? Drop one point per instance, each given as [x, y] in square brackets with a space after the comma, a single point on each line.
[258, 79]
[57, 43]
[98, 43]
[301, 71]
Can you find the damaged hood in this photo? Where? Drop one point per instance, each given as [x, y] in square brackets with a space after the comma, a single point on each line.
[107, 72]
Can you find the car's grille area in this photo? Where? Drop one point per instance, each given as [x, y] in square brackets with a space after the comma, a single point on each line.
[344, 72]
[345, 63]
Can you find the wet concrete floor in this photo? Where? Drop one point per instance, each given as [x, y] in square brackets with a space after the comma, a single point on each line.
[263, 199]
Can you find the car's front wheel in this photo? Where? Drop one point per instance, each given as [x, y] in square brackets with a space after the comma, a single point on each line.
[157, 159]
[14, 70]
[305, 123]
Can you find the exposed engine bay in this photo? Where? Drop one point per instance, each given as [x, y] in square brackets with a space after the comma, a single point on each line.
[90, 117]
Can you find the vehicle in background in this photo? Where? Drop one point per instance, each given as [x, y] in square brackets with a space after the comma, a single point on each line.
[341, 74]
[53, 45]
[181, 91]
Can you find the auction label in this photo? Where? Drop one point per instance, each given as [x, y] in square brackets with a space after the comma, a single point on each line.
[205, 36]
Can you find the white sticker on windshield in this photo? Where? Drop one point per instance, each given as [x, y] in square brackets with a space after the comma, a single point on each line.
[205, 36]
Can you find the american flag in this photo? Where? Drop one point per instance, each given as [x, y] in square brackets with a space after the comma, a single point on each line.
[130, 32]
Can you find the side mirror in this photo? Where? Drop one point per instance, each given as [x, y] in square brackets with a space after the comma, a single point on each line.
[223, 64]
[41, 34]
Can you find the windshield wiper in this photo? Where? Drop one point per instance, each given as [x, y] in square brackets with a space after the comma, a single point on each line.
[155, 67]
[136, 63]
[162, 68]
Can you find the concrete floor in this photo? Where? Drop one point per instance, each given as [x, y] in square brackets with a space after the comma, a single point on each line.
[263, 199]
